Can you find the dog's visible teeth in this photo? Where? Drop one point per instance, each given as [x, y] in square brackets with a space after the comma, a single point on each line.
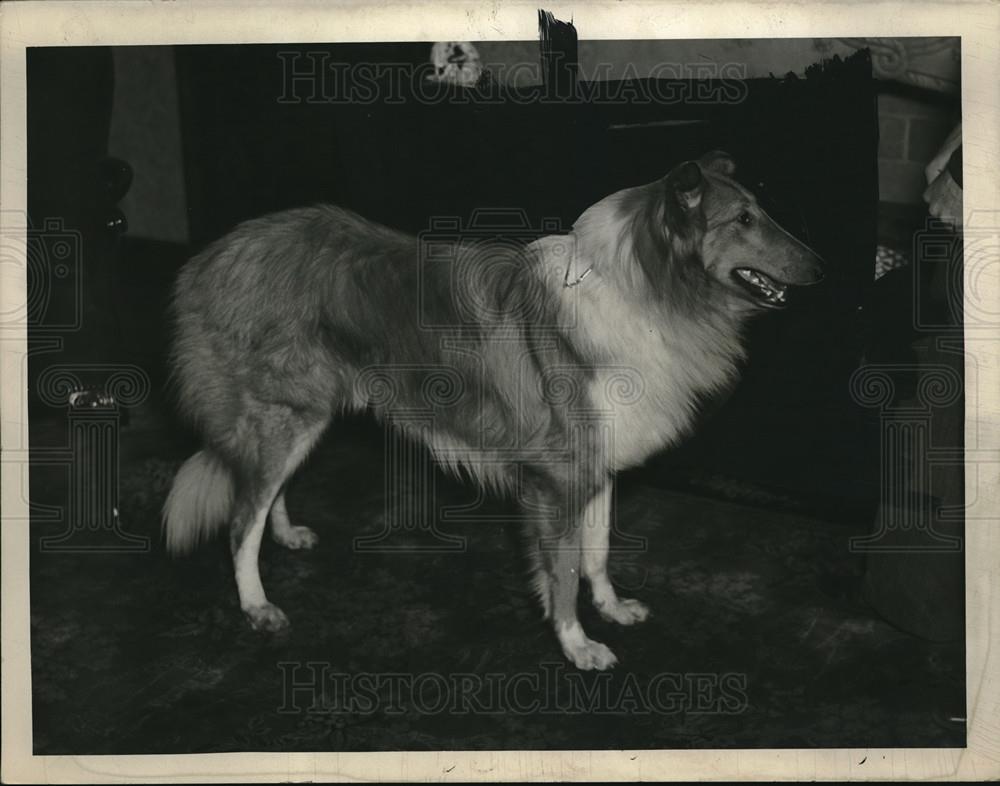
[768, 289]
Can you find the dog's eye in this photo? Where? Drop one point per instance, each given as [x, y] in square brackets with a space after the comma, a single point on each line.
[745, 218]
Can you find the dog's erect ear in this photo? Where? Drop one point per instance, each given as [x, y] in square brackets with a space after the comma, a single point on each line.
[687, 183]
[718, 161]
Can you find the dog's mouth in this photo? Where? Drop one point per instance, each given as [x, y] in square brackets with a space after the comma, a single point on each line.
[764, 289]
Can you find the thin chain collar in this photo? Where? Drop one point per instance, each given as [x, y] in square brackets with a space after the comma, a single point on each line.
[575, 282]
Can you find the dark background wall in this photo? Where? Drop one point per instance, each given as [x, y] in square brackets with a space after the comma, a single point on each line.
[145, 128]
[216, 135]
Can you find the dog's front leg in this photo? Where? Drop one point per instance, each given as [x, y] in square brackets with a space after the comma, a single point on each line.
[596, 536]
[560, 553]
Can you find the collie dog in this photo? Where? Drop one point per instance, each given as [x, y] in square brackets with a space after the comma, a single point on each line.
[566, 359]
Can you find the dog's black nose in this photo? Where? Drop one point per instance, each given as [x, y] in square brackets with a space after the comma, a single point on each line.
[813, 268]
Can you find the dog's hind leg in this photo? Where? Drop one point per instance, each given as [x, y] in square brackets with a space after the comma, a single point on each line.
[596, 534]
[278, 441]
[285, 533]
[249, 518]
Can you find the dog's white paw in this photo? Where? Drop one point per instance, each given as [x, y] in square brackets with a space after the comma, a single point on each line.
[586, 654]
[267, 618]
[296, 538]
[624, 611]
[590, 655]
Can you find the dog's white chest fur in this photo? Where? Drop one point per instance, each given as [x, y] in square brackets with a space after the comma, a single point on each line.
[646, 380]
[650, 369]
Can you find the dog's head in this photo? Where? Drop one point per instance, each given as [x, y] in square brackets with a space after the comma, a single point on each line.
[714, 222]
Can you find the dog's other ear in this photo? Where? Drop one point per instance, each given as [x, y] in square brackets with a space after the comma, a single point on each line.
[718, 161]
[687, 182]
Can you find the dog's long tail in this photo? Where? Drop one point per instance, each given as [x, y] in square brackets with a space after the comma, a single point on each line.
[199, 502]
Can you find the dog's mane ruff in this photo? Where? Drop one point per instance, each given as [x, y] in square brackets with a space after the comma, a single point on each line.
[651, 306]
[646, 242]
[603, 241]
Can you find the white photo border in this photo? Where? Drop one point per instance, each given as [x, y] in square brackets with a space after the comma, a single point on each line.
[24, 24]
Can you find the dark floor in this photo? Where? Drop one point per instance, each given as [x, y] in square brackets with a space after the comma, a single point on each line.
[758, 636]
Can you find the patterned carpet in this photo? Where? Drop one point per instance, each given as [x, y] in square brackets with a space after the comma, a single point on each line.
[758, 637]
